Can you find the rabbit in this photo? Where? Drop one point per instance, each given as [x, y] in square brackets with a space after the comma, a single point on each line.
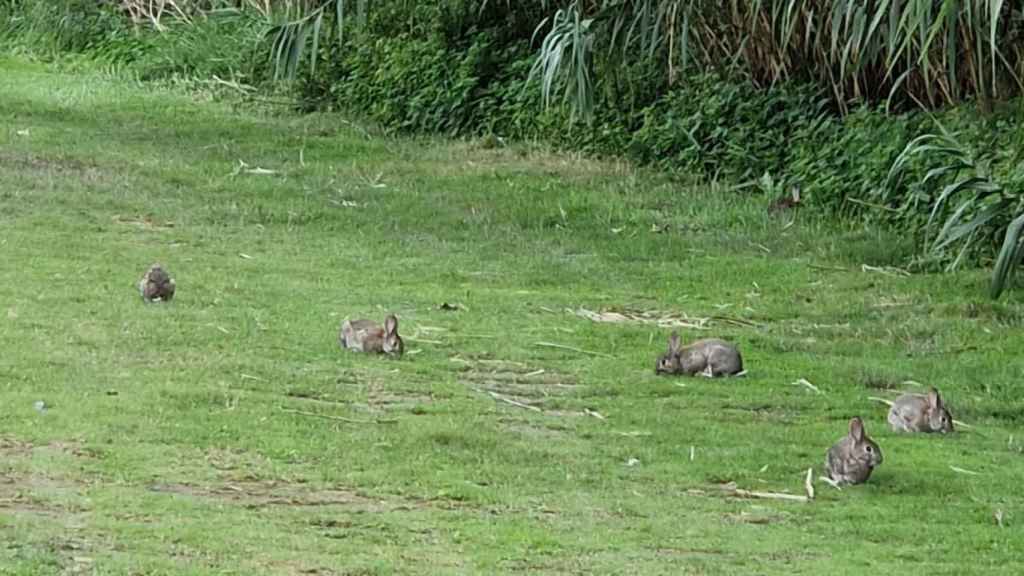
[156, 285]
[786, 202]
[920, 413]
[368, 336]
[852, 459]
[710, 355]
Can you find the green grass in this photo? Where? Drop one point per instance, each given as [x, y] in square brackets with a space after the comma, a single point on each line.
[172, 444]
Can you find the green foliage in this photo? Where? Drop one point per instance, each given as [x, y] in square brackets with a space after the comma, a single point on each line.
[715, 127]
[842, 162]
[223, 42]
[226, 44]
[403, 83]
[52, 27]
[929, 52]
[974, 210]
[739, 92]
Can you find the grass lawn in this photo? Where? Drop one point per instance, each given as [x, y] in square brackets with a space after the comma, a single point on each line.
[225, 432]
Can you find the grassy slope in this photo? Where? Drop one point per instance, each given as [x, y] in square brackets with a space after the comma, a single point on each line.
[170, 447]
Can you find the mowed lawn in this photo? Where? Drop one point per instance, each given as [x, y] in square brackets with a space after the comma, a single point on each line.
[225, 432]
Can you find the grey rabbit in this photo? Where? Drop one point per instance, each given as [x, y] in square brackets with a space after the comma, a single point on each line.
[852, 459]
[920, 413]
[156, 285]
[709, 356]
[368, 336]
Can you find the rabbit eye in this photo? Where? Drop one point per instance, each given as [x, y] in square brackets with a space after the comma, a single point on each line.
[868, 448]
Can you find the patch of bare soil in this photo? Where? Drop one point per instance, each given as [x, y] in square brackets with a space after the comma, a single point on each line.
[30, 162]
[396, 400]
[760, 517]
[267, 493]
[25, 491]
[684, 551]
[525, 389]
[524, 383]
[260, 494]
[765, 412]
[379, 399]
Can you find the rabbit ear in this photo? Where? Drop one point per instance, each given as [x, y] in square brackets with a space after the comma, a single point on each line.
[391, 325]
[934, 400]
[673, 343]
[857, 429]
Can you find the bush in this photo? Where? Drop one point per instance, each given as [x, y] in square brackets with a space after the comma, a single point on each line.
[463, 68]
[404, 83]
[53, 27]
[720, 128]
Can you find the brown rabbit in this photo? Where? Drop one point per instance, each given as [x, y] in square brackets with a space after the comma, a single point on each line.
[709, 356]
[368, 336]
[852, 459]
[920, 413]
[156, 285]
[786, 202]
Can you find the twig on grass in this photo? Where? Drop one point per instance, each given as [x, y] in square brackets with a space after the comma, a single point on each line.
[737, 321]
[507, 400]
[828, 268]
[803, 382]
[424, 340]
[962, 471]
[809, 483]
[338, 418]
[887, 270]
[741, 493]
[830, 482]
[572, 349]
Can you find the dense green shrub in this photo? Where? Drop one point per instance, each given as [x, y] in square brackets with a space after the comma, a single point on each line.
[463, 68]
[403, 83]
[226, 44]
[52, 27]
[716, 127]
[223, 42]
[842, 163]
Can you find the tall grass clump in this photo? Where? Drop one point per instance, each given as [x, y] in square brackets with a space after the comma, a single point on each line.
[974, 199]
[911, 52]
[904, 52]
[184, 39]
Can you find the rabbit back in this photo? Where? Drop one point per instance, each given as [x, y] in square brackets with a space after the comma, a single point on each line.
[156, 285]
[720, 356]
[920, 413]
[362, 336]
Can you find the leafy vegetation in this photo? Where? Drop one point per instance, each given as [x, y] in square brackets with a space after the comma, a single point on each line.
[924, 51]
[226, 432]
[823, 95]
[973, 210]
